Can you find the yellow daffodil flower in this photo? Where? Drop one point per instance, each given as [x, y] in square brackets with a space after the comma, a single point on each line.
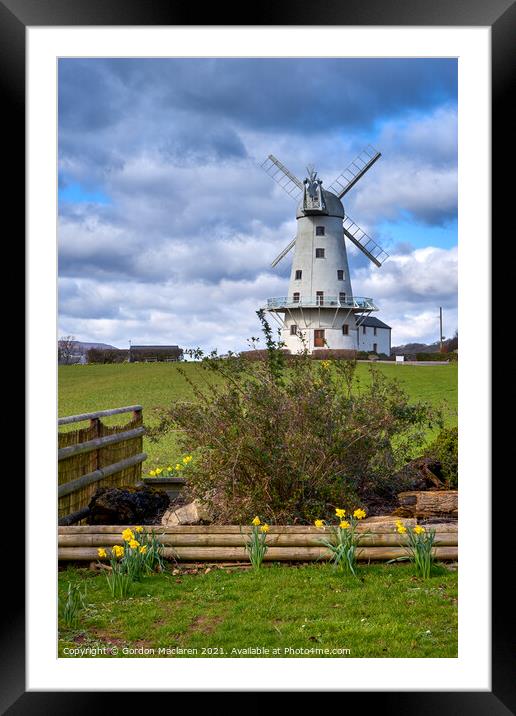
[138, 529]
[418, 529]
[401, 528]
[118, 551]
[319, 523]
[265, 528]
[127, 535]
[256, 521]
[340, 513]
[344, 525]
[359, 514]
[143, 549]
[187, 459]
[102, 552]
[133, 544]
[152, 473]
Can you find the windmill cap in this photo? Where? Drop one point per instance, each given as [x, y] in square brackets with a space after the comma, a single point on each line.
[333, 206]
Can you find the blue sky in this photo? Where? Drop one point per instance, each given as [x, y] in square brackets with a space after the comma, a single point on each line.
[168, 225]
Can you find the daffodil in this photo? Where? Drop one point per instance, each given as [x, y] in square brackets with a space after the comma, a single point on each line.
[138, 529]
[127, 535]
[418, 529]
[133, 544]
[359, 514]
[400, 527]
[256, 521]
[159, 470]
[118, 551]
[102, 552]
[344, 525]
[265, 528]
[339, 512]
[143, 549]
[319, 523]
[152, 473]
[187, 459]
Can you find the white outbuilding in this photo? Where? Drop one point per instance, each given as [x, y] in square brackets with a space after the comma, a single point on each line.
[374, 336]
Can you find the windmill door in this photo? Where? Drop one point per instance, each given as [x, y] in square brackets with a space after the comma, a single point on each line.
[319, 338]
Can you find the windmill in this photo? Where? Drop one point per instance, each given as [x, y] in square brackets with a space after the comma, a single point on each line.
[320, 310]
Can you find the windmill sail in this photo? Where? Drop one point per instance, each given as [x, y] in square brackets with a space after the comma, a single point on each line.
[283, 253]
[355, 171]
[281, 175]
[365, 243]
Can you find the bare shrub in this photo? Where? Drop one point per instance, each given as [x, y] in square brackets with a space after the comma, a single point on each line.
[289, 439]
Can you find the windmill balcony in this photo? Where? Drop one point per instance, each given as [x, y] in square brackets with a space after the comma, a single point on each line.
[349, 302]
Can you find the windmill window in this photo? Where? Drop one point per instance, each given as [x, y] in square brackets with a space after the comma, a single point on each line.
[345, 329]
[293, 330]
[295, 297]
[375, 347]
[299, 273]
[319, 230]
[319, 253]
[319, 298]
[363, 329]
[340, 275]
[342, 297]
[374, 331]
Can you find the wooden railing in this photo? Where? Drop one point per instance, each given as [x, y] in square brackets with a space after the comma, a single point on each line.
[97, 455]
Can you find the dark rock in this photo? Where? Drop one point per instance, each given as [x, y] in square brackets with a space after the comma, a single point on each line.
[127, 506]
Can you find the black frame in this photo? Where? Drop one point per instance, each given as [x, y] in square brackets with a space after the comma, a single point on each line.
[500, 15]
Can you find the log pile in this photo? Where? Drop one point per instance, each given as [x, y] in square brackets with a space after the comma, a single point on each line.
[214, 543]
[428, 504]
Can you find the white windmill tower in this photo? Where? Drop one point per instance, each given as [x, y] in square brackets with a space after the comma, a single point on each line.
[320, 310]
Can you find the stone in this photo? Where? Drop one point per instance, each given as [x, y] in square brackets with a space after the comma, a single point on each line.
[191, 514]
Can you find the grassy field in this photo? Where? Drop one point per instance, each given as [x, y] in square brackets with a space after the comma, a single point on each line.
[386, 613]
[86, 388]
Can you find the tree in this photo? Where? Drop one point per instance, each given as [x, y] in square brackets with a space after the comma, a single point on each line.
[65, 349]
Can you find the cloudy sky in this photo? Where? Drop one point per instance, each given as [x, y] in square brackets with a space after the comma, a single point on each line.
[168, 225]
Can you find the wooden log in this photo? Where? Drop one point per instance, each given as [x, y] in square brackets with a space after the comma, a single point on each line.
[274, 554]
[99, 414]
[235, 529]
[68, 487]
[98, 443]
[429, 503]
[235, 540]
[74, 517]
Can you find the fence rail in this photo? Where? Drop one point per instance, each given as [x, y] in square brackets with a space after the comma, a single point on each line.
[98, 455]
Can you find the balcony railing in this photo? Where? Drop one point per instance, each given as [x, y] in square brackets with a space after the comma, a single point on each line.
[366, 304]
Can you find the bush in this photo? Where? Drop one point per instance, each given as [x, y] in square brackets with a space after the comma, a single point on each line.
[434, 356]
[334, 354]
[291, 439]
[106, 355]
[445, 449]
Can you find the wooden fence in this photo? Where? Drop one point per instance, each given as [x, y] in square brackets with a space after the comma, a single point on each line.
[97, 456]
[216, 543]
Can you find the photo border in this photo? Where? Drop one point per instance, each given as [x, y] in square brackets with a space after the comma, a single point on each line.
[500, 15]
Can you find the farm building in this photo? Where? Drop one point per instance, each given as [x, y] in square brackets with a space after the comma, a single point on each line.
[152, 354]
[374, 336]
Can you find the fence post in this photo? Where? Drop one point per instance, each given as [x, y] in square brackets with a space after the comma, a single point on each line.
[95, 423]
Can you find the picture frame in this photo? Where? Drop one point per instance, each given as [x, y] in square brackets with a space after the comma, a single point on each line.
[500, 16]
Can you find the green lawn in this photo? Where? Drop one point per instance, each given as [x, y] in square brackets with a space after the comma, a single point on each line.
[87, 388]
[386, 613]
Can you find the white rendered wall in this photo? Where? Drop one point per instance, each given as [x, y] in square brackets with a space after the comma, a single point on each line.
[367, 340]
[319, 274]
[331, 320]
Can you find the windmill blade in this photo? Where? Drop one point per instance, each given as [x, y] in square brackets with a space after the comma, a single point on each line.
[365, 243]
[355, 171]
[283, 253]
[281, 175]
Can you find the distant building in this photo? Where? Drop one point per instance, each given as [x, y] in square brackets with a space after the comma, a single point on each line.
[374, 336]
[154, 354]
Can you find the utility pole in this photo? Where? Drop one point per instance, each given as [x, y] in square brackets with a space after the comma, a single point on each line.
[440, 329]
